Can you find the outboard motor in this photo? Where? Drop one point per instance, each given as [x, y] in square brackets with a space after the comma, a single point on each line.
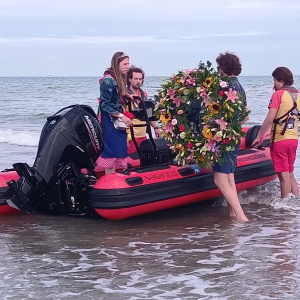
[70, 140]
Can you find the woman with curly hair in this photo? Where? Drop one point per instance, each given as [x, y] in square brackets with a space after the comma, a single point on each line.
[229, 65]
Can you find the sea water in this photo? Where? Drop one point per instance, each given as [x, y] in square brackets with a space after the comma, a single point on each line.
[191, 252]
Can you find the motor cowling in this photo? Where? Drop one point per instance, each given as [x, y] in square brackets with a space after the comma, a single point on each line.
[71, 137]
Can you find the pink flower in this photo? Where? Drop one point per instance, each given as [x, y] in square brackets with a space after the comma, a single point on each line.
[168, 128]
[205, 98]
[231, 95]
[217, 138]
[221, 123]
[191, 81]
[188, 71]
[171, 93]
[177, 101]
[174, 121]
[203, 94]
[180, 112]
[210, 144]
[207, 101]
[182, 128]
[223, 84]
[182, 81]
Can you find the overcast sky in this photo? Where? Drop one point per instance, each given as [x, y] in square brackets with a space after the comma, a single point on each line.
[79, 37]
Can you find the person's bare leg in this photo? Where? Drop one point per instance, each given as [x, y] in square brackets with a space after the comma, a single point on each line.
[294, 185]
[231, 211]
[232, 183]
[285, 183]
[110, 171]
[230, 194]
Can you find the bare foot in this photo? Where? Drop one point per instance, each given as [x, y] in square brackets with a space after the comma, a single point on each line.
[288, 196]
[242, 219]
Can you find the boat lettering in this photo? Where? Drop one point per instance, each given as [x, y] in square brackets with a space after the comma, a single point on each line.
[251, 157]
[156, 176]
[92, 129]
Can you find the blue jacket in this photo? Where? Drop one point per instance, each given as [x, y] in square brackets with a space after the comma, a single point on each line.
[110, 101]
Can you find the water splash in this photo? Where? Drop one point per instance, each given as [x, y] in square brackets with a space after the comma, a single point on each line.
[269, 195]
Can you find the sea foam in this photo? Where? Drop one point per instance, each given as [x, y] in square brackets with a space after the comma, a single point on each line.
[22, 138]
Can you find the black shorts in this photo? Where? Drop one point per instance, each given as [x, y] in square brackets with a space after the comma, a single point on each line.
[230, 162]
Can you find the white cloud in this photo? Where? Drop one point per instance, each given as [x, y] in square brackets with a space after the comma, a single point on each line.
[92, 40]
[232, 34]
[122, 39]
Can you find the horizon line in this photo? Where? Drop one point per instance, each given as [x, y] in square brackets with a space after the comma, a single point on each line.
[97, 76]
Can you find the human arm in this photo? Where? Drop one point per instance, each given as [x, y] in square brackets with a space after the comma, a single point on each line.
[156, 129]
[266, 125]
[236, 86]
[246, 118]
[108, 92]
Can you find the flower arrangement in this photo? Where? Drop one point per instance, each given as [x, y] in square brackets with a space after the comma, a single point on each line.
[216, 125]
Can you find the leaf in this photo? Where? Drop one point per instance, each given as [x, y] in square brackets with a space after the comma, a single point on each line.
[185, 98]
[186, 92]
[177, 86]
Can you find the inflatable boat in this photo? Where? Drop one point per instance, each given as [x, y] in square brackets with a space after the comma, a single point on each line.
[64, 180]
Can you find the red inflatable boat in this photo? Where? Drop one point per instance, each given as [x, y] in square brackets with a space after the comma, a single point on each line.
[139, 191]
[63, 180]
[5, 192]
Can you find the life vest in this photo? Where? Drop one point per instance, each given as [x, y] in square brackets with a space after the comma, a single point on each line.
[287, 120]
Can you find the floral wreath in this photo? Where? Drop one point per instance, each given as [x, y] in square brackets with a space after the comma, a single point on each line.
[220, 111]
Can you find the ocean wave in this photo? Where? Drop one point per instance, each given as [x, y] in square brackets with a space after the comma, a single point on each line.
[269, 195]
[21, 138]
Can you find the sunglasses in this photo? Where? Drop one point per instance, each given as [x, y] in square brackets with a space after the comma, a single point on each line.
[123, 55]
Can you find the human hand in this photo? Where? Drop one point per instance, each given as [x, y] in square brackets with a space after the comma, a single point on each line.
[256, 142]
[157, 132]
[129, 97]
[127, 121]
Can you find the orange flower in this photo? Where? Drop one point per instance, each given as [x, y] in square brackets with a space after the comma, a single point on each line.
[162, 101]
[207, 82]
[207, 133]
[214, 107]
[165, 117]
